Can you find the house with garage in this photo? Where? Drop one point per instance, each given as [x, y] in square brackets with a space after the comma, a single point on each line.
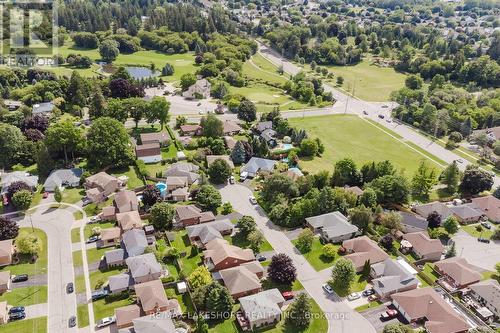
[120, 283]
[156, 137]
[240, 281]
[126, 201]
[144, 268]
[129, 220]
[261, 309]
[422, 246]
[456, 273]
[362, 249]
[467, 213]
[435, 206]
[152, 298]
[17, 176]
[190, 215]
[199, 90]
[190, 130]
[100, 185]
[390, 276]
[115, 258]
[149, 152]
[63, 178]
[180, 194]
[219, 254]
[263, 125]
[490, 207]
[269, 135]
[109, 237]
[230, 128]
[6, 252]
[487, 294]
[257, 165]
[125, 315]
[332, 227]
[183, 169]
[412, 222]
[201, 234]
[135, 242]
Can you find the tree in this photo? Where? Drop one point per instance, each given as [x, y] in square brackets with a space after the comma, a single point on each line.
[365, 271]
[414, 82]
[451, 177]
[108, 143]
[299, 314]
[397, 328]
[212, 127]
[424, 179]
[22, 199]
[227, 208]
[200, 277]
[238, 154]
[368, 198]
[158, 110]
[11, 143]
[151, 195]
[16, 187]
[256, 239]
[246, 224]
[308, 147]
[8, 229]
[219, 171]
[187, 80]
[64, 137]
[281, 269]
[346, 173]
[361, 217]
[78, 90]
[28, 244]
[201, 325]
[392, 220]
[218, 301]
[386, 242]
[37, 122]
[278, 184]
[451, 252]
[209, 198]
[475, 180]
[343, 274]
[162, 215]
[305, 240]
[247, 111]
[450, 225]
[434, 220]
[329, 251]
[57, 195]
[109, 50]
[391, 189]
[97, 103]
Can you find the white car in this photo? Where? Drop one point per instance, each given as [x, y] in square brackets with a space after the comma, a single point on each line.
[94, 219]
[243, 176]
[327, 288]
[106, 321]
[253, 200]
[354, 296]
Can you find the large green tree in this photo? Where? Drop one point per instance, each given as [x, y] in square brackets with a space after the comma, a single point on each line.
[346, 173]
[299, 314]
[209, 198]
[247, 111]
[361, 217]
[475, 180]
[391, 189]
[157, 110]
[424, 179]
[219, 171]
[64, 137]
[343, 274]
[11, 143]
[109, 50]
[162, 215]
[212, 126]
[451, 177]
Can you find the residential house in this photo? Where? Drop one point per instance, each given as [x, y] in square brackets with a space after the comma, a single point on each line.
[230, 142]
[135, 242]
[174, 183]
[17, 176]
[190, 129]
[467, 213]
[105, 185]
[108, 213]
[435, 206]
[180, 194]
[149, 152]
[144, 268]
[264, 125]
[219, 254]
[129, 220]
[294, 173]
[156, 137]
[126, 314]
[6, 252]
[12, 105]
[362, 249]
[262, 309]
[109, 237]
[201, 234]
[423, 246]
[114, 258]
[240, 281]
[199, 90]
[212, 158]
[487, 293]
[183, 169]
[456, 273]
[63, 178]
[190, 215]
[231, 128]
[43, 108]
[258, 165]
[119, 283]
[152, 298]
[333, 227]
[390, 276]
[490, 206]
[492, 133]
[3, 313]
[4, 281]
[427, 306]
[413, 222]
[269, 135]
[154, 324]
[126, 201]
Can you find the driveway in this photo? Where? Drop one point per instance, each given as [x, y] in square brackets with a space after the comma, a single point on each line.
[482, 255]
[373, 316]
[341, 318]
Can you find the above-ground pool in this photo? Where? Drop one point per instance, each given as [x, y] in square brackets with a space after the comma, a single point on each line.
[141, 72]
[286, 146]
[163, 188]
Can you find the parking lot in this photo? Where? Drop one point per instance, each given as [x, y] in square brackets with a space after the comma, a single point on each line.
[373, 316]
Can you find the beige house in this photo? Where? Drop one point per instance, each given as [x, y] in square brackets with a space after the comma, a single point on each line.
[180, 194]
[457, 272]
[219, 254]
[262, 309]
[109, 237]
[104, 183]
[4, 281]
[108, 213]
[423, 246]
[144, 268]
[161, 137]
[6, 252]
[362, 249]
[200, 89]
[129, 220]
[490, 206]
[152, 298]
[126, 314]
[240, 281]
[174, 183]
[126, 201]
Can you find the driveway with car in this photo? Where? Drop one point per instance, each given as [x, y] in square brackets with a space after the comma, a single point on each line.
[482, 255]
[373, 316]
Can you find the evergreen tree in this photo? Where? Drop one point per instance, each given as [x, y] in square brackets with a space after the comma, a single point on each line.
[299, 315]
[451, 177]
[238, 154]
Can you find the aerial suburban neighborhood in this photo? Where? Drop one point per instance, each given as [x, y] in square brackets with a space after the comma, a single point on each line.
[271, 166]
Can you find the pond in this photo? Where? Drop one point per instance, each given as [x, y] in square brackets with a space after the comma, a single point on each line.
[141, 72]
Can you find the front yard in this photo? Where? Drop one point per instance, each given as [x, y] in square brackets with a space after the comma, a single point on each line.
[35, 325]
[472, 229]
[359, 284]
[315, 256]
[25, 296]
[106, 307]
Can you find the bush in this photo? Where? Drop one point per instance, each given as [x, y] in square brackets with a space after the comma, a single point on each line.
[329, 251]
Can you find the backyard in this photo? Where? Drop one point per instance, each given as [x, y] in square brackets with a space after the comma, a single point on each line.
[351, 136]
[190, 257]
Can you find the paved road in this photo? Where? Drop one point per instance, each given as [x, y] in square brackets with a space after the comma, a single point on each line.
[341, 317]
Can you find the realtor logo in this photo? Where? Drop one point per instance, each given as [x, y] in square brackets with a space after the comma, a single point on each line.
[28, 33]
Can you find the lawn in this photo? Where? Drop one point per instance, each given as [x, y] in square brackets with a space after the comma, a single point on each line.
[134, 179]
[82, 315]
[269, 284]
[429, 272]
[35, 325]
[259, 68]
[87, 231]
[25, 296]
[72, 195]
[244, 243]
[184, 300]
[106, 307]
[351, 136]
[369, 82]
[192, 258]
[77, 258]
[359, 284]
[484, 233]
[78, 215]
[75, 235]
[97, 278]
[315, 256]
[95, 255]
[368, 306]
[94, 209]
[25, 266]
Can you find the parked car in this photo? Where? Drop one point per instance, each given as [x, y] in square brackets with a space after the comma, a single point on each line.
[327, 288]
[486, 225]
[389, 314]
[365, 113]
[92, 239]
[16, 309]
[253, 201]
[483, 240]
[72, 321]
[287, 295]
[385, 106]
[261, 258]
[70, 288]
[381, 116]
[45, 195]
[231, 180]
[17, 316]
[460, 160]
[368, 292]
[106, 321]
[388, 120]
[372, 298]
[86, 201]
[243, 176]
[353, 296]
[19, 278]
[94, 219]
[99, 294]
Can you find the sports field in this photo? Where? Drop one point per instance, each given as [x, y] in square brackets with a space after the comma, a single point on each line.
[351, 136]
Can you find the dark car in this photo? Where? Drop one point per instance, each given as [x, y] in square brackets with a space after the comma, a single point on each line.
[365, 113]
[72, 321]
[99, 294]
[16, 309]
[19, 278]
[261, 258]
[381, 116]
[368, 292]
[17, 316]
[70, 288]
[483, 240]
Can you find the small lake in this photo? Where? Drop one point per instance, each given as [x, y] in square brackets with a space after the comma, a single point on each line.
[141, 72]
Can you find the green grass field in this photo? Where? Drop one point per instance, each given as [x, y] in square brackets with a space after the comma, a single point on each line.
[259, 68]
[351, 136]
[25, 296]
[315, 256]
[82, 315]
[370, 82]
[192, 259]
[106, 307]
[483, 233]
[35, 325]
